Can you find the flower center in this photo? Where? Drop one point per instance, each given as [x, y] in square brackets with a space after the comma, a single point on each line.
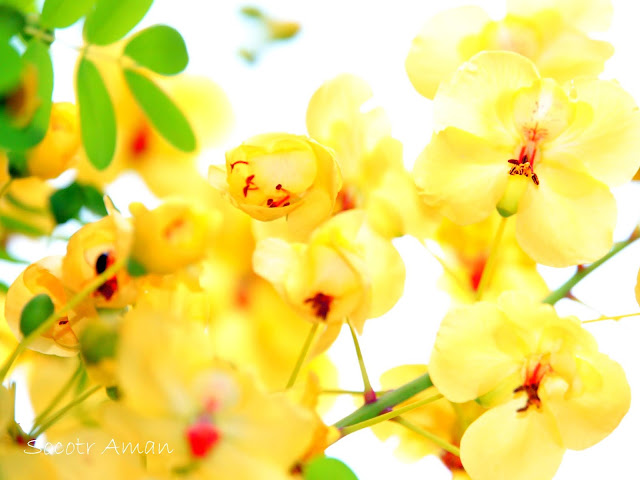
[110, 287]
[533, 377]
[523, 165]
[321, 304]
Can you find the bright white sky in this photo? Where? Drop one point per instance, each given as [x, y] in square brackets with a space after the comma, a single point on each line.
[371, 39]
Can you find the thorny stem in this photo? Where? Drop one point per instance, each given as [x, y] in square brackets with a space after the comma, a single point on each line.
[70, 305]
[434, 438]
[63, 411]
[616, 318]
[386, 401]
[303, 355]
[581, 272]
[388, 416]
[369, 394]
[487, 272]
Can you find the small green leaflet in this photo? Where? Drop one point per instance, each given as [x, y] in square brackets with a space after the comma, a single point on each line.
[325, 468]
[67, 202]
[35, 312]
[97, 117]
[113, 19]
[11, 68]
[159, 48]
[167, 119]
[63, 13]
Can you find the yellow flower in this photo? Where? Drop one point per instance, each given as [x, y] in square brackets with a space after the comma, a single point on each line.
[374, 177]
[94, 248]
[548, 386]
[345, 271]
[275, 175]
[170, 237]
[44, 276]
[466, 251]
[55, 153]
[550, 33]
[24, 208]
[217, 420]
[508, 139]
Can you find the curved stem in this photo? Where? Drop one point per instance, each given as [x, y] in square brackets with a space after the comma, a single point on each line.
[442, 443]
[582, 271]
[59, 396]
[487, 272]
[616, 317]
[388, 416]
[386, 401]
[70, 305]
[303, 355]
[63, 411]
[369, 394]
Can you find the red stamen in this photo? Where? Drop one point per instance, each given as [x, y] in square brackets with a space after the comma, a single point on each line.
[239, 161]
[140, 142]
[110, 287]
[321, 304]
[279, 203]
[202, 437]
[451, 461]
[249, 185]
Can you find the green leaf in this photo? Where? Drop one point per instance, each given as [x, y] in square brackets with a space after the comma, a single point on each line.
[35, 313]
[7, 257]
[11, 21]
[19, 139]
[11, 68]
[66, 203]
[159, 48]
[113, 19]
[63, 13]
[98, 342]
[97, 117]
[93, 200]
[4, 288]
[324, 468]
[15, 225]
[168, 120]
[18, 167]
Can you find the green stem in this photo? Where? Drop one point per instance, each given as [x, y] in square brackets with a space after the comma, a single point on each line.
[336, 391]
[39, 34]
[582, 272]
[616, 318]
[70, 305]
[5, 188]
[59, 396]
[63, 411]
[489, 267]
[369, 394]
[424, 433]
[388, 416]
[388, 400]
[303, 355]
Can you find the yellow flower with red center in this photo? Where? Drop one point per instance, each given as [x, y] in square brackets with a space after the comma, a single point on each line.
[217, 420]
[466, 251]
[172, 236]
[345, 271]
[374, 176]
[275, 175]
[93, 249]
[506, 138]
[56, 152]
[45, 277]
[548, 387]
[550, 33]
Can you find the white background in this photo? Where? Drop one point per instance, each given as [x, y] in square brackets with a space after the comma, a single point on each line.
[371, 39]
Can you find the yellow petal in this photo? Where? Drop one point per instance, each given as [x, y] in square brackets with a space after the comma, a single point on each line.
[463, 174]
[568, 219]
[587, 15]
[473, 352]
[476, 97]
[506, 445]
[435, 53]
[608, 145]
[593, 408]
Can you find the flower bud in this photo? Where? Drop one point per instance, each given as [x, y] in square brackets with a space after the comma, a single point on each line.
[276, 175]
[44, 277]
[54, 154]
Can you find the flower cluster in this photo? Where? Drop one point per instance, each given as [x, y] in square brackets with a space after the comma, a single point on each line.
[192, 330]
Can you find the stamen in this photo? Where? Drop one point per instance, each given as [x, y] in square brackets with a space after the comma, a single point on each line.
[202, 437]
[239, 161]
[321, 304]
[249, 184]
[531, 384]
[110, 287]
